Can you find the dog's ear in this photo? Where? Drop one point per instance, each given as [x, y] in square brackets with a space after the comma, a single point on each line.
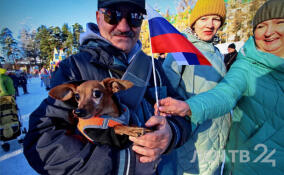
[63, 92]
[114, 85]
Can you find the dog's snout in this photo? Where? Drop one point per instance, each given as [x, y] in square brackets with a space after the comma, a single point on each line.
[80, 112]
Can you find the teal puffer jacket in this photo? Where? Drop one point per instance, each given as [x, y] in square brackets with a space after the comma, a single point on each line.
[202, 153]
[254, 86]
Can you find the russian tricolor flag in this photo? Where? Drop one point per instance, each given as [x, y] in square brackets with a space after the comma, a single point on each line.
[165, 38]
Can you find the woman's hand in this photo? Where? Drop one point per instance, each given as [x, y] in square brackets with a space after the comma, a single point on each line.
[169, 106]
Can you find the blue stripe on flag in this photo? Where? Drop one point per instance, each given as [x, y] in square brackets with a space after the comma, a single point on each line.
[159, 26]
[191, 58]
[185, 58]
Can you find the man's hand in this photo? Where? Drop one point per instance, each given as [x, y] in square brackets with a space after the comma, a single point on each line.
[152, 145]
[169, 106]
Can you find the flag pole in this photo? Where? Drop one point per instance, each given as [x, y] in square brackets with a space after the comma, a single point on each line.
[154, 72]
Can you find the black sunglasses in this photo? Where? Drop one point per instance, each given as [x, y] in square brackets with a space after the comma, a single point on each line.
[113, 17]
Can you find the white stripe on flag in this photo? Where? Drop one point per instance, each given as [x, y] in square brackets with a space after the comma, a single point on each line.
[151, 13]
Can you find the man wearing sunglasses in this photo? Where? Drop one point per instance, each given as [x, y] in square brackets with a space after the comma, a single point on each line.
[111, 48]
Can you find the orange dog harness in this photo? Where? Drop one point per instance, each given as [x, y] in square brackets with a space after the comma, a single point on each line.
[103, 122]
[95, 122]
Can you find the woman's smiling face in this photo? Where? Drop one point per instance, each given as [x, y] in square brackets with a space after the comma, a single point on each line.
[269, 36]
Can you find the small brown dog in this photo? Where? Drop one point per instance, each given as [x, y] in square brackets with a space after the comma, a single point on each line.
[95, 99]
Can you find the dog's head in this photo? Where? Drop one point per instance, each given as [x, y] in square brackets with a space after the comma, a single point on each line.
[94, 98]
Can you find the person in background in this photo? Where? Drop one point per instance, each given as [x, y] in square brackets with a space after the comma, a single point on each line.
[201, 154]
[23, 82]
[161, 58]
[52, 73]
[15, 82]
[231, 56]
[53, 144]
[254, 87]
[41, 73]
[45, 78]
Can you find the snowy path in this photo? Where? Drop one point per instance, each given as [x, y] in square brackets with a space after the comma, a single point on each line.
[14, 162]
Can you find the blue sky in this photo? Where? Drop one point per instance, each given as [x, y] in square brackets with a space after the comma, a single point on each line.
[15, 14]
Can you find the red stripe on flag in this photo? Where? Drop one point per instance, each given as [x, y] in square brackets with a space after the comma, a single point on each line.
[173, 42]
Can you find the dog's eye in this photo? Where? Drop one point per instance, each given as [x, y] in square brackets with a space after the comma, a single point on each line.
[97, 93]
[77, 97]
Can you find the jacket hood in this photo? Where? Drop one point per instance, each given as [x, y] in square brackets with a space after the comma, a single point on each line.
[249, 51]
[208, 49]
[193, 38]
[93, 33]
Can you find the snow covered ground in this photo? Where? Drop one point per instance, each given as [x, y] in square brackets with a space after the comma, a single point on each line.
[14, 162]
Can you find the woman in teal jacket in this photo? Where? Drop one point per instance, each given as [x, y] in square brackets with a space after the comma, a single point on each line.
[202, 153]
[254, 87]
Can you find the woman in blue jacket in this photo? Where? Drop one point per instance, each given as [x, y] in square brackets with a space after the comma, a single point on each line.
[254, 87]
[209, 138]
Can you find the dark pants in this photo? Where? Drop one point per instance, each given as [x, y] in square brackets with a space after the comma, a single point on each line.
[24, 86]
[16, 91]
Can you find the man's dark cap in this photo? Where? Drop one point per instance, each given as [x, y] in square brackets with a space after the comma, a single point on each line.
[232, 45]
[138, 3]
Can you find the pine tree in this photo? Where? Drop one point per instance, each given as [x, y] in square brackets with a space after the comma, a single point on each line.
[9, 45]
[238, 24]
[67, 39]
[28, 44]
[77, 29]
[45, 41]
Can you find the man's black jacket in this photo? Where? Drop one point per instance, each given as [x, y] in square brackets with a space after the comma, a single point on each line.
[53, 144]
